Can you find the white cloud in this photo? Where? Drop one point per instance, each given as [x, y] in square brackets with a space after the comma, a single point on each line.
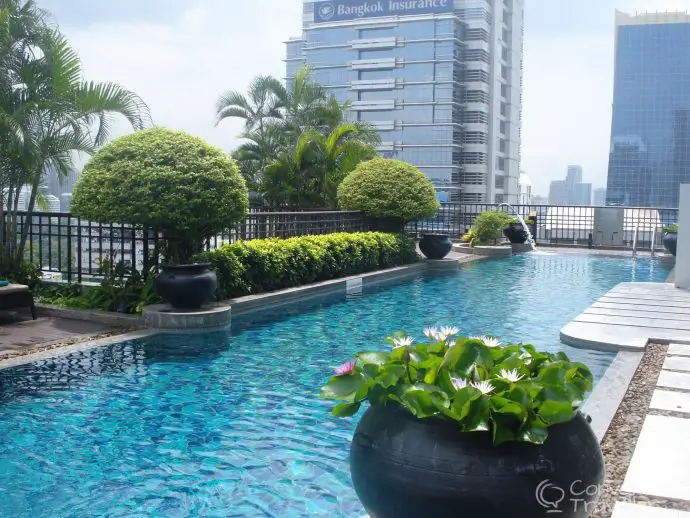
[181, 68]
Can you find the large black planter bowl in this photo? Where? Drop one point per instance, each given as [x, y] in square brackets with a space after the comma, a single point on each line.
[435, 246]
[671, 242]
[404, 467]
[515, 233]
[187, 286]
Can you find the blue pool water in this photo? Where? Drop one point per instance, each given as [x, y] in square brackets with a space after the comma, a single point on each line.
[228, 423]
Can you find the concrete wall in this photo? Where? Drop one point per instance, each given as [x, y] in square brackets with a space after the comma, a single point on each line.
[683, 256]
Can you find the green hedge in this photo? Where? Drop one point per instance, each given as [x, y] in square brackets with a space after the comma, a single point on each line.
[262, 265]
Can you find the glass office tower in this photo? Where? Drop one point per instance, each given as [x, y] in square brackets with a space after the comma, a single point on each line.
[650, 133]
[439, 79]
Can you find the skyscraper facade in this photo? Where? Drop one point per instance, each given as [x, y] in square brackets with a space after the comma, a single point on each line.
[650, 132]
[439, 79]
[599, 197]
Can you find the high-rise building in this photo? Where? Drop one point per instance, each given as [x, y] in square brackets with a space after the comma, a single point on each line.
[439, 79]
[57, 185]
[599, 197]
[525, 189]
[539, 200]
[557, 193]
[581, 195]
[650, 131]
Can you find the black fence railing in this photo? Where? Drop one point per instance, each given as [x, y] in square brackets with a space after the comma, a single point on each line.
[73, 249]
[564, 225]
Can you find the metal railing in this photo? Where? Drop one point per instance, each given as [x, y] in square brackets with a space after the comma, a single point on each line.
[72, 249]
[564, 225]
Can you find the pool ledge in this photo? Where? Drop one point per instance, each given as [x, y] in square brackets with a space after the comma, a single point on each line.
[630, 316]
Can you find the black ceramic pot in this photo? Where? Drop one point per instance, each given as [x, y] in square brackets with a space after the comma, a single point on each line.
[515, 233]
[187, 286]
[389, 225]
[404, 467]
[435, 246]
[671, 242]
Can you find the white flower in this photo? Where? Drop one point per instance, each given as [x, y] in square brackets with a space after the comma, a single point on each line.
[402, 342]
[431, 333]
[458, 383]
[489, 341]
[484, 387]
[447, 332]
[513, 375]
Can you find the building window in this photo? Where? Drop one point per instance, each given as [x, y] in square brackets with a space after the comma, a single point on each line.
[498, 198]
[504, 109]
[502, 146]
[503, 127]
[499, 182]
[501, 164]
[504, 91]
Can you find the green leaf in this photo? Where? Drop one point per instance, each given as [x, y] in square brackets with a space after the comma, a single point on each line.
[345, 409]
[505, 428]
[391, 375]
[419, 402]
[373, 358]
[535, 431]
[477, 419]
[554, 412]
[342, 387]
[552, 375]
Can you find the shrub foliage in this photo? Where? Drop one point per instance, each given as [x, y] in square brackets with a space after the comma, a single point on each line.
[488, 227]
[385, 188]
[166, 180]
[261, 265]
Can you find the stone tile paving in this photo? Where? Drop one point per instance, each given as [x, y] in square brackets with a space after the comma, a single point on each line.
[660, 466]
[21, 336]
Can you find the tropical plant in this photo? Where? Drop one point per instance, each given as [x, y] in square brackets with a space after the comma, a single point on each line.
[309, 175]
[165, 180]
[488, 227]
[48, 113]
[671, 229]
[514, 392]
[388, 189]
[262, 105]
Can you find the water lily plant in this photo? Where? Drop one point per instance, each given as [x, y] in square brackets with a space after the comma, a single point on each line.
[512, 391]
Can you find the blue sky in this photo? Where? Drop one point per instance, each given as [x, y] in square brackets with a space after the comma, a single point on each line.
[179, 55]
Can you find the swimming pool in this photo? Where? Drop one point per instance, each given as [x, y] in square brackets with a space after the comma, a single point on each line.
[228, 423]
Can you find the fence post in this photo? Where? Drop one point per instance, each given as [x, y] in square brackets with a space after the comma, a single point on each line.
[145, 253]
[69, 249]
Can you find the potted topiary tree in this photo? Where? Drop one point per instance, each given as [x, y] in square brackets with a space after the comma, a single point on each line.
[174, 183]
[393, 193]
[461, 426]
[671, 238]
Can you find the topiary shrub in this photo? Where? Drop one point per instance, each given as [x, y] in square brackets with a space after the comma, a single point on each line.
[389, 190]
[488, 227]
[165, 180]
[260, 265]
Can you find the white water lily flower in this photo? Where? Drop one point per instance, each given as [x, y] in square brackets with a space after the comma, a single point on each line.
[402, 342]
[489, 341]
[484, 387]
[458, 383]
[431, 333]
[513, 375]
[447, 331]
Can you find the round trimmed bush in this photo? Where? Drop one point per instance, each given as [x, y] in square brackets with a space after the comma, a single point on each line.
[388, 189]
[165, 180]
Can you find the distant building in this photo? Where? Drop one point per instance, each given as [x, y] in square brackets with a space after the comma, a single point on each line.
[65, 201]
[557, 193]
[57, 185]
[539, 200]
[573, 177]
[525, 186]
[440, 80]
[650, 129]
[50, 203]
[581, 195]
[599, 197]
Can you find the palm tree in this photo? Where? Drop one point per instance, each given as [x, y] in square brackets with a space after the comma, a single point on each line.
[263, 103]
[259, 149]
[309, 175]
[47, 112]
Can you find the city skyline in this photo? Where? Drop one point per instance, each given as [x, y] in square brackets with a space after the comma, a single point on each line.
[152, 47]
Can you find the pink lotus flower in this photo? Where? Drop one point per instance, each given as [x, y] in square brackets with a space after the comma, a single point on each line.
[346, 368]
